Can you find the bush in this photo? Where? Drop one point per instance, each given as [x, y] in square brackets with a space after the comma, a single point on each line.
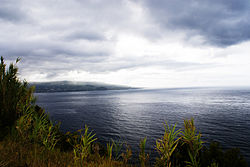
[184, 147]
[215, 155]
[15, 96]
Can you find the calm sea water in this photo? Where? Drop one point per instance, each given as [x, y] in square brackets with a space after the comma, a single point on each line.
[221, 114]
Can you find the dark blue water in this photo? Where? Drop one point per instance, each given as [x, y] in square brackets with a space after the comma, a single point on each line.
[221, 114]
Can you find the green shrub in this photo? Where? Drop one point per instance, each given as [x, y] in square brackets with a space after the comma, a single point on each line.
[167, 145]
[36, 127]
[127, 155]
[109, 150]
[117, 147]
[214, 154]
[192, 139]
[15, 96]
[82, 144]
[143, 157]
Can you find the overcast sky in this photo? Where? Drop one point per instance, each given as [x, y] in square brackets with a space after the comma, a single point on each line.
[142, 43]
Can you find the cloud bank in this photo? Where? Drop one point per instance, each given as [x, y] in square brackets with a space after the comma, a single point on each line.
[221, 22]
[161, 43]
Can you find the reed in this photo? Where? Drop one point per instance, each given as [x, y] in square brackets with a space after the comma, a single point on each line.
[192, 139]
[143, 157]
[127, 155]
[167, 145]
[81, 144]
[117, 147]
[109, 150]
[36, 127]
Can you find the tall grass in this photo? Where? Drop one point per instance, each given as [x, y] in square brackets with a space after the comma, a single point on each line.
[117, 147]
[167, 145]
[127, 155]
[81, 144]
[36, 127]
[192, 139]
[109, 150]
[143, 157]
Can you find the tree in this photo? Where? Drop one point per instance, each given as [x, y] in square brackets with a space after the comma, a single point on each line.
[15, 96]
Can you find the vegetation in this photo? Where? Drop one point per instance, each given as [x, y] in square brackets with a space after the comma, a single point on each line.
[68, 86]
[29, 138]
[143, 157]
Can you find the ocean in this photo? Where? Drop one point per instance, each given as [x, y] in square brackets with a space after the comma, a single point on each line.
[220, 114]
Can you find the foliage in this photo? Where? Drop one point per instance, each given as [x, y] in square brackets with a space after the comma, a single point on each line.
[214, 164]
[15, 96]
[167, 145]
[127, 155]
[214, 154]
[15, 154]
[82, 144]
[36, 127]
[192, 139]
[117, 147]
[143, 157]
[109, 150]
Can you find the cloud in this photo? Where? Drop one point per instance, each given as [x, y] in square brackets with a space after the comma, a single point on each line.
[69, 35]
[83, 35]
[11, 10]
[136, 43]
[221, 22]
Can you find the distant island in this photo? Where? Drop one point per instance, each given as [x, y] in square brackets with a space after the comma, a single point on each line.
[71, 86]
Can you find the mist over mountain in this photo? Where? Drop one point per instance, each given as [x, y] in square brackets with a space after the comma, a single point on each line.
[70, 86]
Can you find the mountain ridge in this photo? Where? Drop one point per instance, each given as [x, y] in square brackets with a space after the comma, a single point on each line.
[70, 86]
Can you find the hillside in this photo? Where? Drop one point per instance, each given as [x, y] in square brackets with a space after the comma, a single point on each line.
[69, 86]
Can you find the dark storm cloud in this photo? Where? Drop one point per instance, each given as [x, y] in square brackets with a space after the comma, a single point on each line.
[10, 10]
[221, 22]
[51, 57]
[55, 53]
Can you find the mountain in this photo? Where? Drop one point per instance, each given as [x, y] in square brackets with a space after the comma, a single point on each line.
[70, 86]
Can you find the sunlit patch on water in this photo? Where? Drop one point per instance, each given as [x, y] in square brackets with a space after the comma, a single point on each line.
[220, 114]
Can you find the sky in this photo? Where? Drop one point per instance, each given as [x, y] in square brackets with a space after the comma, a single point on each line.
[139, 43]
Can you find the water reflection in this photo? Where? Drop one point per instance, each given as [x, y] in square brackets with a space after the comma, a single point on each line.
[220, 114]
